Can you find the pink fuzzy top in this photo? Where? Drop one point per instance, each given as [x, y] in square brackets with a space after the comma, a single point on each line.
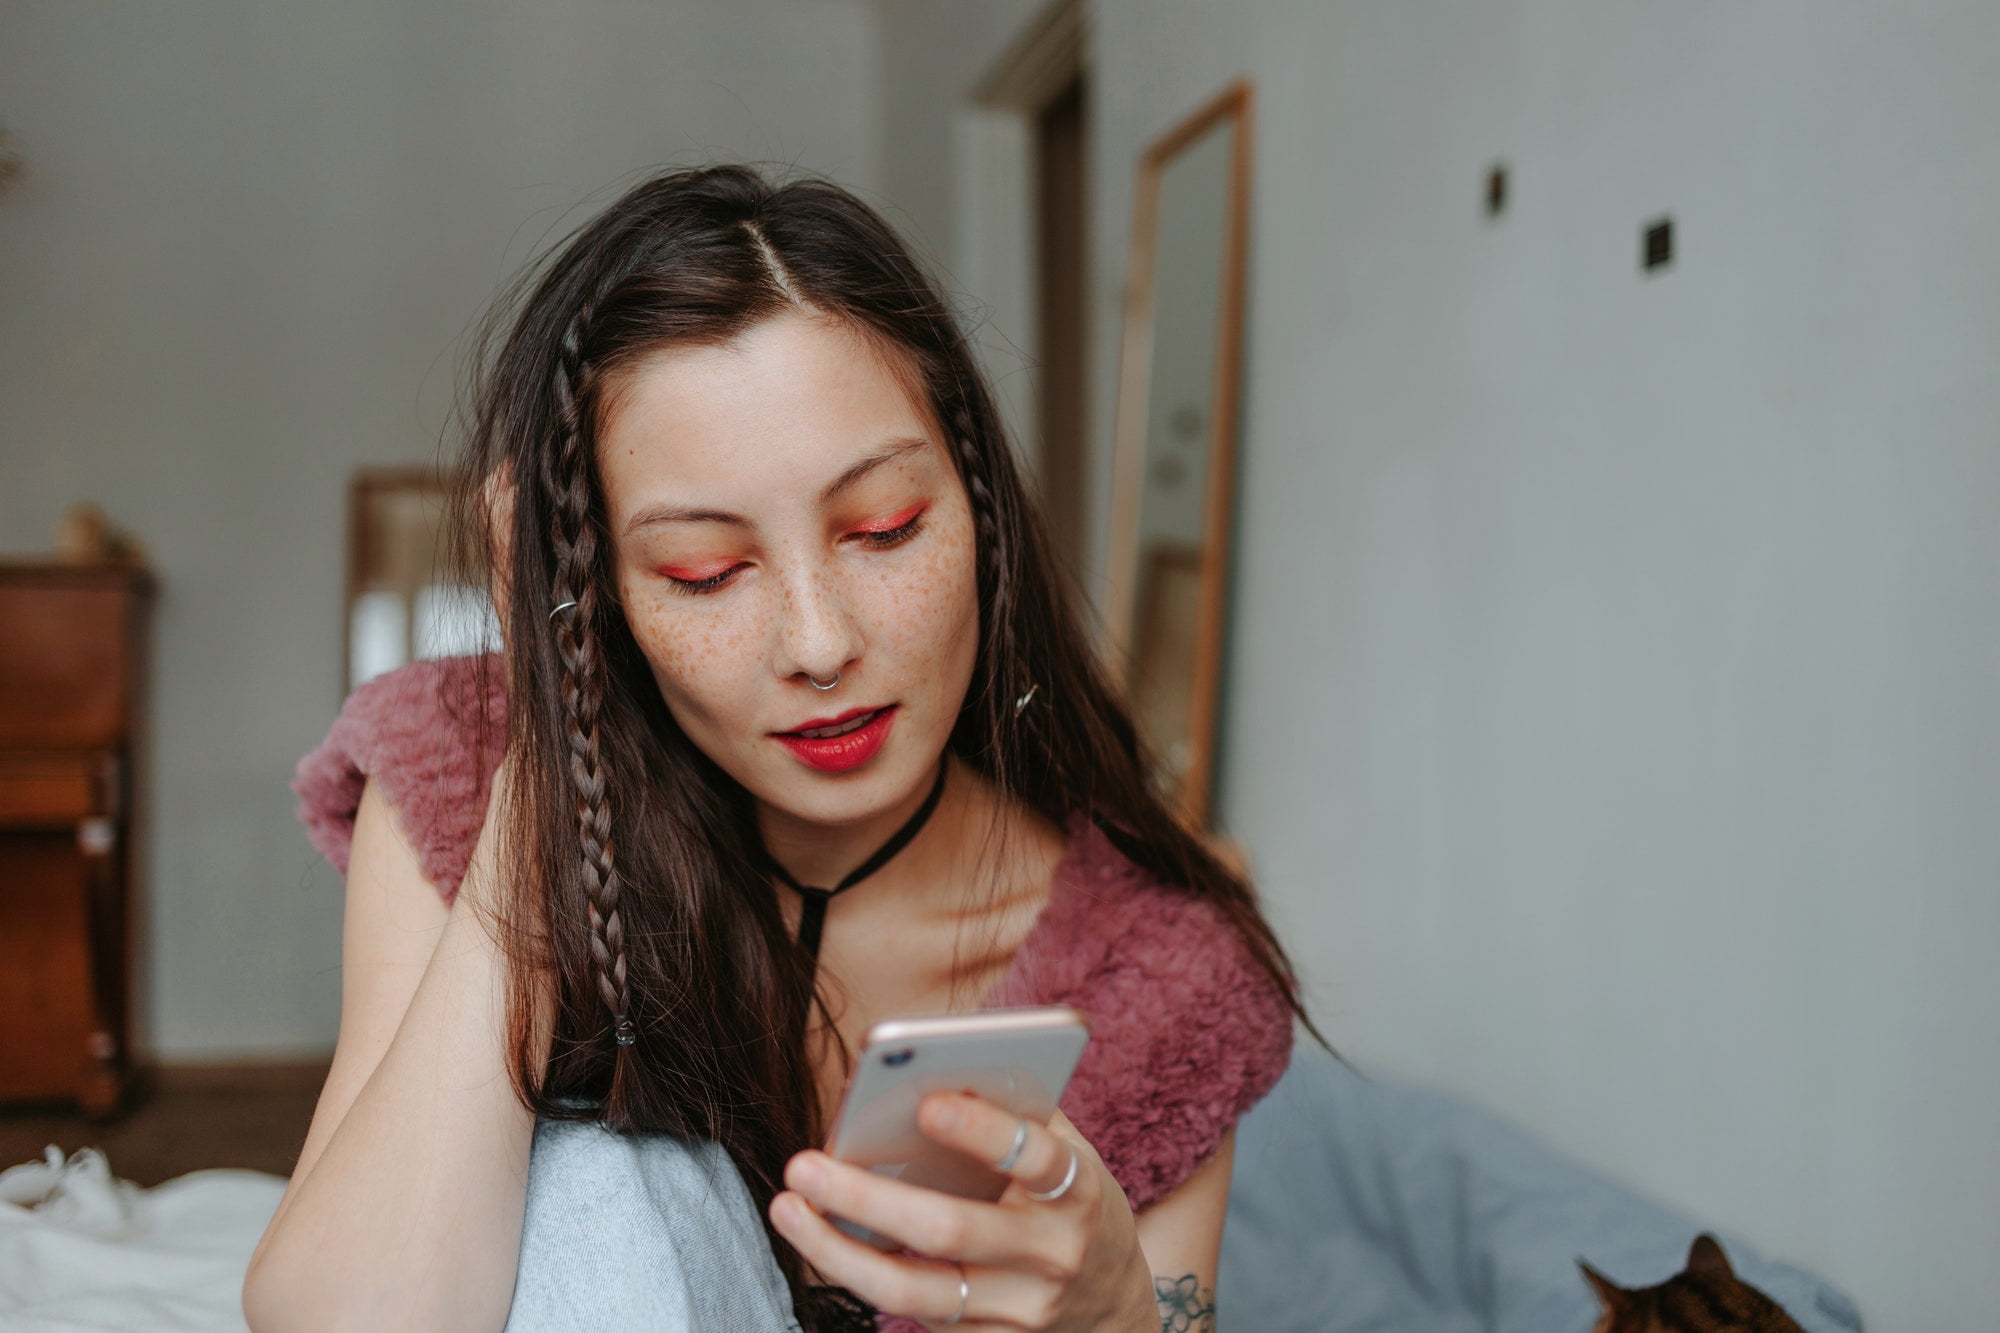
[1187, 1032]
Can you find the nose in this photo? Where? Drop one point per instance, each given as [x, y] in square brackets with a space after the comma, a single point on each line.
[817, 634]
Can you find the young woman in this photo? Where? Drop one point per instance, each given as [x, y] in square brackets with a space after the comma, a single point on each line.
[795, 729]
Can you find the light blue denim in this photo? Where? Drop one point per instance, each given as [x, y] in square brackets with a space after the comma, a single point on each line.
[626, 1233]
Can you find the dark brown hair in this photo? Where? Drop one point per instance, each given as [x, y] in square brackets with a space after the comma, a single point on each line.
[634, 885]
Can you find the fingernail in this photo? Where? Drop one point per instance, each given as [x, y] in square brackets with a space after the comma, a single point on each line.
[807, 1176]
[946, 1114]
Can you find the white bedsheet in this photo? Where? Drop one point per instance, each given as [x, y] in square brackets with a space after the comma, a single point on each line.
[82, 1251]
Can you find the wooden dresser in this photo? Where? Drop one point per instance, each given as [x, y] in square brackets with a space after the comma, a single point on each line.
[72, 681]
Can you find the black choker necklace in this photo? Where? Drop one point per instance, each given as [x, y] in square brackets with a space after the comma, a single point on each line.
[813, 919]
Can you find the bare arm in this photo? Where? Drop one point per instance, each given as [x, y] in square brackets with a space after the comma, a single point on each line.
[1182, 1239]
[405, 1208]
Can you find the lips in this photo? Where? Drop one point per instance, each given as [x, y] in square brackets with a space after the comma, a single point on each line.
[853, 717]
[838, 744]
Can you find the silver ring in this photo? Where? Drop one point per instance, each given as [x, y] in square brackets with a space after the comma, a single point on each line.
[829, 685]
[564, 607]
[1069, 1178]
[1006, 1164]
[964, 1291]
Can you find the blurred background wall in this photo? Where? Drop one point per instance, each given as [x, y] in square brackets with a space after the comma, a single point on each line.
[246, 242]
[1612, 712]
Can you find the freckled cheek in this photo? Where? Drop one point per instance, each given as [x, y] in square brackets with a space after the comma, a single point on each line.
[700, 661]
[928, 611]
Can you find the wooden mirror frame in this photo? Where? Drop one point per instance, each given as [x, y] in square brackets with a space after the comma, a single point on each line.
[365, 488]
[1233, 105]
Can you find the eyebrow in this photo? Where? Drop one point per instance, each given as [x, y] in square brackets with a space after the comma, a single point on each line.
[888, 453]
[665, 513]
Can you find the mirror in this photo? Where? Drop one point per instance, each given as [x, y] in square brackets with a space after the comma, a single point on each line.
[1173, 487]
[400, 606]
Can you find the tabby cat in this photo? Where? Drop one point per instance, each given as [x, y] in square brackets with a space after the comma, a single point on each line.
[1707, 1298]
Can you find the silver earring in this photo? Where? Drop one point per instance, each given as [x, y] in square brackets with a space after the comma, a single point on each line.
[829, 685]
[1021, 703]
[563, 607]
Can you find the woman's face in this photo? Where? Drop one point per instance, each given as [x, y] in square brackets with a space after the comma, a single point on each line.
[781, 509]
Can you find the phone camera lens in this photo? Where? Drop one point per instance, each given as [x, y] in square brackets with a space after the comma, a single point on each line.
[902, 1057]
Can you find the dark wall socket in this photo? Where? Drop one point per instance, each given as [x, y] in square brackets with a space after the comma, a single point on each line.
[1656, 239]
[1656, 249]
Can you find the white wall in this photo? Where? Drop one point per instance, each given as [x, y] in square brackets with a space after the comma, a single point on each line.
[954, 180]
[248, 239]
[1614, 714]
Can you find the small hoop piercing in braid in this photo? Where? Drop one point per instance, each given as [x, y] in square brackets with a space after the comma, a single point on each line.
[564, 607]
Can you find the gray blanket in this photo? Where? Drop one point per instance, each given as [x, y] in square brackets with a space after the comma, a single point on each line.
[1360, 1207]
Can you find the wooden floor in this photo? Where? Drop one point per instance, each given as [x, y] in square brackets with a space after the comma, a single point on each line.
[183, 1118]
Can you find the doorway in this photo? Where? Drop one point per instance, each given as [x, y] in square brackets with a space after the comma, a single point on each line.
[1062, 301]
[1043, 81]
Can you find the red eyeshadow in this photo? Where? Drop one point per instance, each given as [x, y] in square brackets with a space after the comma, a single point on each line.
[894, 521]
[696, 573]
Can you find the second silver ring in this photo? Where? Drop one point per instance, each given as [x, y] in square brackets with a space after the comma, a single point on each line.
[1069, 1178]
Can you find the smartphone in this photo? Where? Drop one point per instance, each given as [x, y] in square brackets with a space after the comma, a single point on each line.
[1020, 1059]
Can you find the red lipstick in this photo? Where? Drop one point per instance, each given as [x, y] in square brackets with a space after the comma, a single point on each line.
[848, 750]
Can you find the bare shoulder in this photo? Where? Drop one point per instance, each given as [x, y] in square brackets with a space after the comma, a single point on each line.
[393, 918]
[394, 913]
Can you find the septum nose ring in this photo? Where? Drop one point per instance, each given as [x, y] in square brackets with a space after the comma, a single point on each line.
[829, 685]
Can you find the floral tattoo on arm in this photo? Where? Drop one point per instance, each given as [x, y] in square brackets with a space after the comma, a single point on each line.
[1185, 1305]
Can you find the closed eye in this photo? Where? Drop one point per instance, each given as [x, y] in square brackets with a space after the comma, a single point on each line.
[905, 526]
[700, 585]
[875, 539]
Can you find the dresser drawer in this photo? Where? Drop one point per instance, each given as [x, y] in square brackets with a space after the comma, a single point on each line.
[48, 975]
[70, 641]
[53, 790]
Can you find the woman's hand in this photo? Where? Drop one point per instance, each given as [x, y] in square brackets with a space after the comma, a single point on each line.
[1071, 1263]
